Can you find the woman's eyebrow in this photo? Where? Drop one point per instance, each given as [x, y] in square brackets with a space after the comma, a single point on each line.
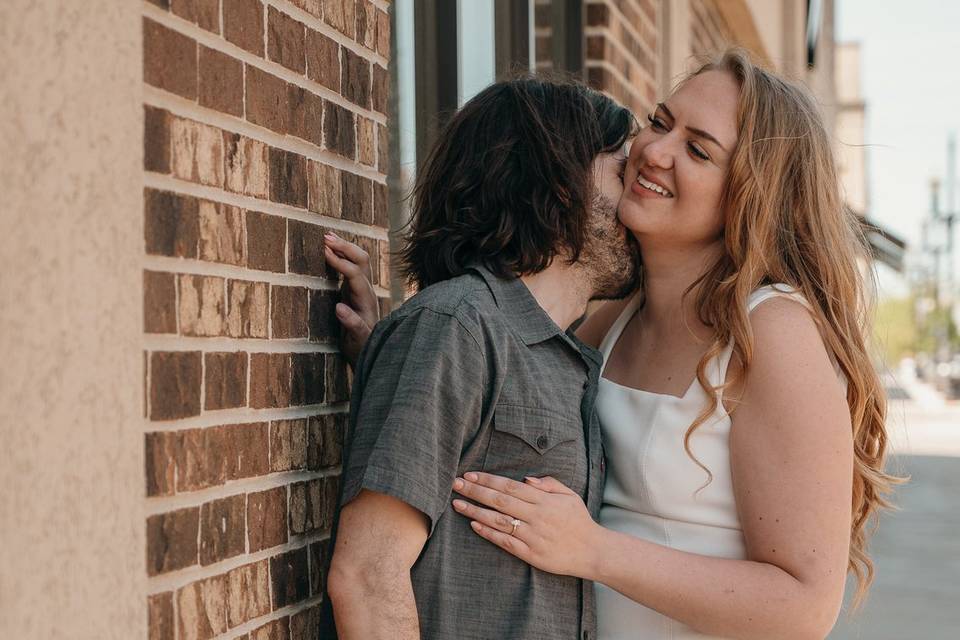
[693, 130]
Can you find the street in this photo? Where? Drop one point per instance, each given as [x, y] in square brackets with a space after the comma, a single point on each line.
[916, 550]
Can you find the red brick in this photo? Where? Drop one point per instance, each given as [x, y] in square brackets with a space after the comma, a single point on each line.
[288, 178]
[372, 247]
[383, 34]
[323, 189]
[319, 564]
[171, 224]
[159, 302]
[160, 451]
[251, 446]
[355, 78]
[357, 194]
[383, 149]
[336, 379]
[267, 518]
[243, 24]
[225, 380]
[312, 505]
[248, 313]
[324, 326]
[174, 384]
[195, 469]
[325, 435]
[160, 616]
[384, 260]
[306, 114]
[285, 40]
[223, 236]
[289, 312]
[289, 577]
[186, 9]
[221, 82]
[598, 15]
[341, 15]
[248, 592]
[338, 132]
[269, 380]
[245, 165]
[288, 445]
[202, 608]
[202, 307]
[366, 29]
[208, 15]
[306, 249]
[169, 60]
[366, 145]
[196, 152]
[305, 624]
[381, 214]
[307, 378]
[267, 100]
[278, 629]
[172, 540]
[323, 60]
[156, 140]
[266, 242]
[222, 529]
[381, 88]
[313, 7]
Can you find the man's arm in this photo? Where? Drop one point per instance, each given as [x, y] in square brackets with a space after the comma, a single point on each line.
[378, 541]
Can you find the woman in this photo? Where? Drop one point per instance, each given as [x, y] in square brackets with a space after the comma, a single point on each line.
[742, 419]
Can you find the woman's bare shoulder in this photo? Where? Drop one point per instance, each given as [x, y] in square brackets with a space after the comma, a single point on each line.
[599, 320]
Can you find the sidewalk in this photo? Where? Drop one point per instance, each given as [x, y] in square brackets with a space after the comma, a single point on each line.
[917, 549]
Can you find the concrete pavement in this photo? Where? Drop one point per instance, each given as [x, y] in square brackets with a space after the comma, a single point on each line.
[916, 550]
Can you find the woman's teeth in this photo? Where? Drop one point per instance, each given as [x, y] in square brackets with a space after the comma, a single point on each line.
[653, 187]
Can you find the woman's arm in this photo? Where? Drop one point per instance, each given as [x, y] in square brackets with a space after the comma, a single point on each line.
[792, 463]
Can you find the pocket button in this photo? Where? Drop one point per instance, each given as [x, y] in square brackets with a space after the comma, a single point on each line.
[542, 441]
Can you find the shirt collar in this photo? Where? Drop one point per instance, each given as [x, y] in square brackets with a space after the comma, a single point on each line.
[523, 312]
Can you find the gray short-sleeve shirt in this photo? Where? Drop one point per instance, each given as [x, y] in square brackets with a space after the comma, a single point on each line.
[471, 374]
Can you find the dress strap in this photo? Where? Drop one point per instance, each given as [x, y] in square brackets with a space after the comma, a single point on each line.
[613, 334]
[717, 372]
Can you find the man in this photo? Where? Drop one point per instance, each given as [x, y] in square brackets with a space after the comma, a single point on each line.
[514, 230]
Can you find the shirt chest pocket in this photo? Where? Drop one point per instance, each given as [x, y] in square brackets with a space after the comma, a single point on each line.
[529, 441]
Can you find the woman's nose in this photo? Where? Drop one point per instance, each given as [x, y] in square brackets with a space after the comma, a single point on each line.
[657, 153]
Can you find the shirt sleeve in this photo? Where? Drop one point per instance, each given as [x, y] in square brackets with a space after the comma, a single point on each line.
[418, 398]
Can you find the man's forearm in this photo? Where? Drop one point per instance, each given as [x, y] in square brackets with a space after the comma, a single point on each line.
[375, 606]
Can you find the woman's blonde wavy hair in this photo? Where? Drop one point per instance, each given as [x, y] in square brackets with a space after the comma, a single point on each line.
[785, 222]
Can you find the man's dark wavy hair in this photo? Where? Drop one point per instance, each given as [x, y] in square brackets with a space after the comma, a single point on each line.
[509, 182]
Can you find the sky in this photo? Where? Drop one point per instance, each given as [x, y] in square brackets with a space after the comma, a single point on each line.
[909, 68]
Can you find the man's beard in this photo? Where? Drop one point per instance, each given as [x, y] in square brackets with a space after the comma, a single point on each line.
[611, 255]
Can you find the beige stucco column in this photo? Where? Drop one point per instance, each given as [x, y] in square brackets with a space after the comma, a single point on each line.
[71, 450]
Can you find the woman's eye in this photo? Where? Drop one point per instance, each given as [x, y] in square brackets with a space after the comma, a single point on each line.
[656, 123]
[697, 152]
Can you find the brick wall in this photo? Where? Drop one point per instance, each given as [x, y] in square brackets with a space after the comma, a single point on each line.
[264, 127]
[708, 30]
[622, 50]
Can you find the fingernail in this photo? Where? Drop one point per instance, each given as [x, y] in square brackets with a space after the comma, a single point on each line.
[331, 236]
[458, 484]
[476, 525]
[472, 477]
[340, 309]
[459, 504]
[532, 480]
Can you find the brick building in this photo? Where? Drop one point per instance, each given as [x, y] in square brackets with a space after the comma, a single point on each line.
[172, 402]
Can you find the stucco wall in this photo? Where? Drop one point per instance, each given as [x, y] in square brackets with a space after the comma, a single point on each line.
[71, 467]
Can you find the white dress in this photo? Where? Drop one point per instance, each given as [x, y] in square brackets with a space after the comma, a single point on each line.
[652, 485]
